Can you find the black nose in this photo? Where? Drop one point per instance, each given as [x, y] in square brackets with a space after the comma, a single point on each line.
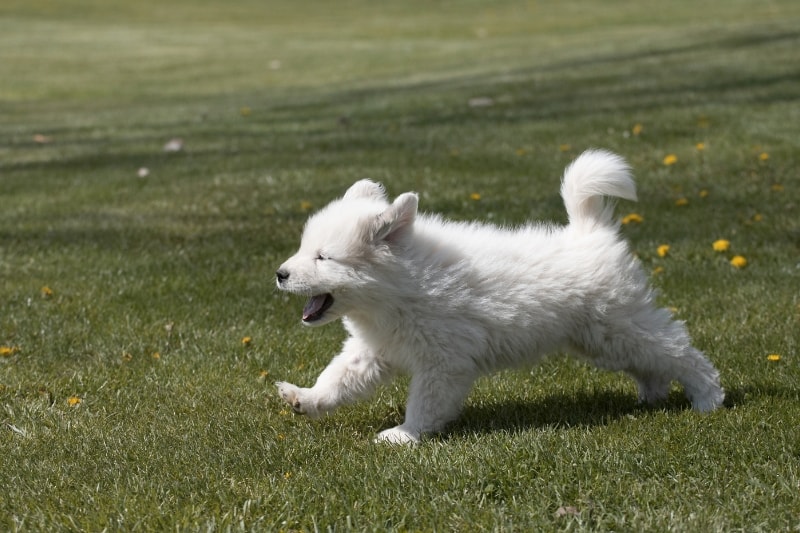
[282, 275]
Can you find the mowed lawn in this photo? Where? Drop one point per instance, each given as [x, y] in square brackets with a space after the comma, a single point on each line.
[157, 163]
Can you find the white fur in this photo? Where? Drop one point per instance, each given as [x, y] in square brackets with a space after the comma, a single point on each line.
[449, 301]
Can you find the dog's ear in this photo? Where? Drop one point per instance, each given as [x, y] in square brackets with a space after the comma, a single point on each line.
[366, 189]
[397, 219]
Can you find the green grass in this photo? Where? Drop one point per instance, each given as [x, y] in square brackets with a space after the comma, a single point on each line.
[282, 106]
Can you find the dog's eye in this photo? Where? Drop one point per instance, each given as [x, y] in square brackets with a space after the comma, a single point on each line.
[322, 257]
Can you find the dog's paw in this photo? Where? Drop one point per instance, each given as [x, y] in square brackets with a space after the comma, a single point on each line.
[397, 435]
[297, 398]
[711, 400]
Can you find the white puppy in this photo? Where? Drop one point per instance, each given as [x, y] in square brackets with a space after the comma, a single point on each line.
[449, 301]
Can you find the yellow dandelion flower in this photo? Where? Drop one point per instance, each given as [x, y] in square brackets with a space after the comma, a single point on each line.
[637, 129]
[305, 205]
[680, 202]
[47, 292]
[670, 159]
[758, 217]
[763, 156]
[721, 245]
[263, 374]
[245, 111]
[246, 341]
[777, 187]
[703, 193]
[632, 218]
[475, 196]
[72, 401]
[565, 147]
[700, 146]
[127, 357]
[658, 270]
[281, 436]
[521, 151]
[155, 355]
[773, 357]
[7, 351]
[663, 250]
[287, 475]
[284, 412]
[739, 261]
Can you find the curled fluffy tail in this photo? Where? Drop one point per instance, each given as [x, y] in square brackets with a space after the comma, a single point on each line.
[594, 175]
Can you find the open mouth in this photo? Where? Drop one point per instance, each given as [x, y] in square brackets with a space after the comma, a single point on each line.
[316, 307]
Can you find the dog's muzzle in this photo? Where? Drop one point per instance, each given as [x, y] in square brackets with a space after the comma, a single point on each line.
[317, 304]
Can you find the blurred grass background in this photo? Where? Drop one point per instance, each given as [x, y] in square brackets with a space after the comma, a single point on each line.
[130, 276]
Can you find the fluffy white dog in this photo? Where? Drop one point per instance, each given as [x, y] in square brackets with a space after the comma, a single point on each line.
[449, 301]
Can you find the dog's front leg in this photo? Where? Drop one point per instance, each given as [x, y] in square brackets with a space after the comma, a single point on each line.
[352, 375]
[434, 399]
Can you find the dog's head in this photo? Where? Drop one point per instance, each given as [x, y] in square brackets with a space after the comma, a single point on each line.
[343, 248]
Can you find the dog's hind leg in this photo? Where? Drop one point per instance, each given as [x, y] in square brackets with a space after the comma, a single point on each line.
[690, 368]
[352, 375]
[652, 388]
[655, 350]
[434, 399]
[667, 356]
[700, 380]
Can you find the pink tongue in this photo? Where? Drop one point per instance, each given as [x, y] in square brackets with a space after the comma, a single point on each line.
[314, 305]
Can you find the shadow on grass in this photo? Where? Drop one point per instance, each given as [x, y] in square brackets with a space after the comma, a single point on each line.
[584, 409]
[738, 396]
[581, 410]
